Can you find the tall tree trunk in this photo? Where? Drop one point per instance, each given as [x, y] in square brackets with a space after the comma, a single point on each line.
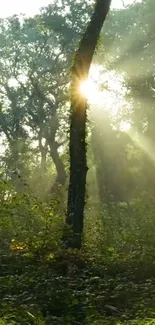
[78, 163]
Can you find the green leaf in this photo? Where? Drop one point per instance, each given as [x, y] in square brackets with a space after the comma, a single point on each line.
[111, 249]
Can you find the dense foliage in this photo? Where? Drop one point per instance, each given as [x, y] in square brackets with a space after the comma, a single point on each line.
[111, 280]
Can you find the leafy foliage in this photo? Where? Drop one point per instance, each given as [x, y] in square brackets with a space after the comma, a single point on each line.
[111, 280]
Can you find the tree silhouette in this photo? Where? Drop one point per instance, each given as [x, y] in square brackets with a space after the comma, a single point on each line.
[78, 118]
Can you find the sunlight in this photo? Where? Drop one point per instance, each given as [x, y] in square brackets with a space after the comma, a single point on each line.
[30, 8]
[3, 146]
[117, 4]
[144, 143]
[125, 126]
[88, 89]
[104, 90]
[15, 82]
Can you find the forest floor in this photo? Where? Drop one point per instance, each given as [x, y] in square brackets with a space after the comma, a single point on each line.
[70, 288]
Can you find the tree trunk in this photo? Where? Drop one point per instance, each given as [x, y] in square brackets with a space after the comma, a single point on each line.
[43, 152]
[78, 115]
[61, 173]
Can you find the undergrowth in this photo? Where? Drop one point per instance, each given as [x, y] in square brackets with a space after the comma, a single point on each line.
[41, 283]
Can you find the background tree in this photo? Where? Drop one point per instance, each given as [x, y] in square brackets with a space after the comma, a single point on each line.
[35, 60]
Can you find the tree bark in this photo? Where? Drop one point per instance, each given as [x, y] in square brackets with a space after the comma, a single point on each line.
[61, 173]
[78, 117]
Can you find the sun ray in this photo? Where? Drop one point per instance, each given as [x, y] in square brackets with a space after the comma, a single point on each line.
[144, 143]
[103, 90]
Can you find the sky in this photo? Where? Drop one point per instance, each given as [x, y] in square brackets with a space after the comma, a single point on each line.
[31, 7]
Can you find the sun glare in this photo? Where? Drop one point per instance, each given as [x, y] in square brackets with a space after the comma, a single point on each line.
[103, 90]
[88, 89]
[125, 126]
